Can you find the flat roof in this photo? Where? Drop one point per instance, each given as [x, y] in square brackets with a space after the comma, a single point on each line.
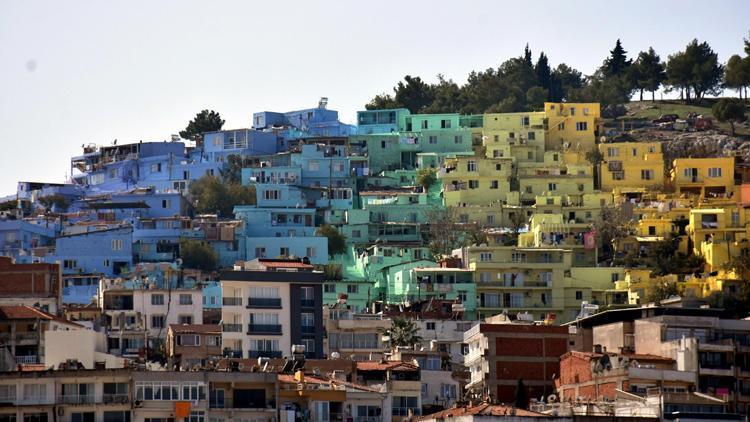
[273, 276]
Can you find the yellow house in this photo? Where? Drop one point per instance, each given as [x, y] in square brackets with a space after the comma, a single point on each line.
[518, 134]
[631, 165]
[475, 180]
[573, 180]
[571, 125]
[704, 177]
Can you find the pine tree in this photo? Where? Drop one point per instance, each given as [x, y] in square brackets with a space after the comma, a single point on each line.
[543, 72]
[617, 63]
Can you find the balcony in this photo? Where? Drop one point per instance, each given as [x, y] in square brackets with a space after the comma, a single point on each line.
[75, 399]
[254, 354]
[307, 303]
[308, 329]
[228, 403]
[264, 329]
[115, 399]
[232, 328]
[264, 302]
[27, 359]
[231, 301]
[232, 353]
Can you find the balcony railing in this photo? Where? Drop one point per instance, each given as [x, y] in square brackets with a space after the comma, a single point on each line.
[27, 359]
[231, 301]
[308, 303]
[228, 403]
[232, 328]
[75, 399]
[233, 353]
[115, 398]
[264, 302]
[308, 329]
[264, 329]
[254, 354]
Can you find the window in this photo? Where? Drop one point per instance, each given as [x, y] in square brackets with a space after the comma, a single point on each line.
[186, 299]
[356, 233]
[613, 152]
[580, 126]
[561, 126]
[35, 417]
[496, 138]
[530, 155]
[572, 111]
[260, 252]
[188, 340]
[647, 174]
[551, 186]
[471, 166]
[82, 417]
[432, 139]
[490, 219]
[283, 251]
[448, 391]
[485, 277]
[166, 203]
[156, 168]
[70, 263]
[157, 299]
[329, 288]
[157, 321]
[186, 319]
[473, 184]
[524, 120]
[485, 256]
[264, 345]
[461, 295]
[310, 252]
[458, 139]
[271, 194]
[352, 288]
[313, 165]
[308, 319]
[532, 136]
[714, 172]
[116, 244]
[366, 413]
[401, 406]
[309, 344]
[425, 392]
[579, 295]
[118, 416]
[196, 416]
[424, 124]
[445, 124]
[512, 135]
[34, 392]
[431, 326]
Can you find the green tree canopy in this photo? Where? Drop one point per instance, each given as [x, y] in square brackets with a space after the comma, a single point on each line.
[617, 63]
[198, 255]
[404, 332]
[695, 70]
[648, 72]
[210, 195]
[205, 121]
[729, 110]
[426, 177]
[737, 74]
[336, 240]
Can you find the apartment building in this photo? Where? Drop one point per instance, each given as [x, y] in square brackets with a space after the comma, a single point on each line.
[631, 166]
[269, 305]
[703, 177]
[37, 285]
[191, 345]
[138, 312]
[503, 350]
[354, 335]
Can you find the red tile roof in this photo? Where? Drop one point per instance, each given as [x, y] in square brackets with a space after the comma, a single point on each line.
[484, 409]
[27, 312]
[285, 264]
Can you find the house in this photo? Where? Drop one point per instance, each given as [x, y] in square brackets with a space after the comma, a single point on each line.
[108, 251]
[630, 166]
[37, 285]
[400, 380]
[704, 177]
[269, 305]
[354, 335]
[191, 345]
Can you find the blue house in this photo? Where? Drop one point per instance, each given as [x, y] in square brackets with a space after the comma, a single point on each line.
[212, 295]
[217, 146]
[21, 239]
[30, 193]
[310, 122]
[80, 288]
[108, 251]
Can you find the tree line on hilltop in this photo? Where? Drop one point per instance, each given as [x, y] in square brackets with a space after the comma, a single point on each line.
[522, 84]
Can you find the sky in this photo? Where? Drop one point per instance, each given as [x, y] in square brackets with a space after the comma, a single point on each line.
[80, 72]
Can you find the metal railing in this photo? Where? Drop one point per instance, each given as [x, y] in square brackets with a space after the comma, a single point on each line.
[253, 354]
[115, 398]
[264, 329]
[307, 303]
[76, 399]
[263, 302]
[27, 359]
[232, 328]
[308, 329]
[231, 301]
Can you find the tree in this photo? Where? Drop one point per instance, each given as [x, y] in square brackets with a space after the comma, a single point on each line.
[198, 255]
[696, 69]
[648, 72]
[447, 97]
[535, 97]
[662, 290]
[8, 205]
[404, 332]
[617, 63]
[516, 221]
[565, 80]
[426, 177]
[522, 396]
[413, 94]
[729, 110]
[232, 171]
[543, 72]
[612, 226]
[205, 121]
[210, 196]
[58, 201]
[336, 240]
[445, 231]
[737, 74]
[382, 102]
